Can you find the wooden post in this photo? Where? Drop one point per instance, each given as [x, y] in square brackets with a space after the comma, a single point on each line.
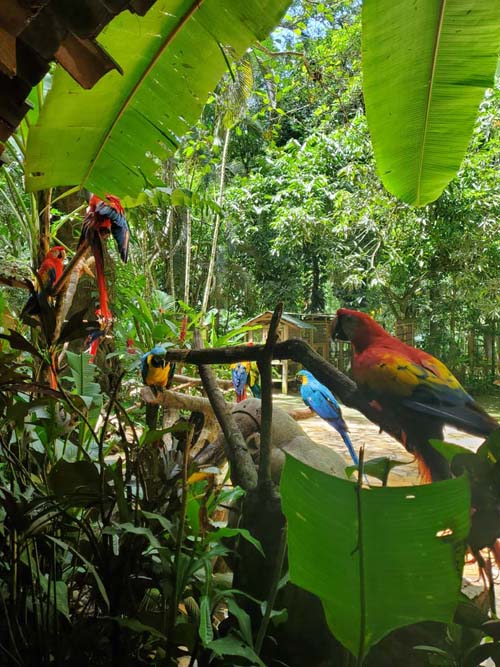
[284, 377]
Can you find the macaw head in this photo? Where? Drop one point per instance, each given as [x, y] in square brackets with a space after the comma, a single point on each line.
[93, 201]
[57, 252]
[359, 328]
[303, 377]
[158, 357]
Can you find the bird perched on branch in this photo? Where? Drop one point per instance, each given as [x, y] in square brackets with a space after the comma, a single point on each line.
[239, 377]
[104, 217]
[47, 275]
[321, 401]
[158, 374]
[415, 394]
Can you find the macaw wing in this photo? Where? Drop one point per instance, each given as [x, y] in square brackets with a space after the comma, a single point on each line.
[47, 275]
[424, 385]
[171, 373]
[239, 377]
[453, 407]
[119, 227]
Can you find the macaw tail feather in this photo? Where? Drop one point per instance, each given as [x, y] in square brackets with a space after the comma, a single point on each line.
[152, 410]
[349, 445]
[432, 467]
[101, 282]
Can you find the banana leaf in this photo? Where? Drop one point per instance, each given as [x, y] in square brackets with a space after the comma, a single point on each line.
[109, 138]
[426, 65]
[378, 558]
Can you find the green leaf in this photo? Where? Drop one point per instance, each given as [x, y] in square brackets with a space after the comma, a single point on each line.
[106, 138]
[394, 562]
[83, 373]
[88, 564]
[232, 645]
[205, 628]
[379, 467]
[226, 532]
[136, 626]
[449, 449]
[129, 528]
[426, 65]
[77, 482]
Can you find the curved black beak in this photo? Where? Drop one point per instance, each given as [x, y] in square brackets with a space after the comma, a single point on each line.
[337, 332]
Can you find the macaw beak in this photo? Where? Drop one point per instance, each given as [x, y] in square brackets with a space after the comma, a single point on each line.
[337, 331]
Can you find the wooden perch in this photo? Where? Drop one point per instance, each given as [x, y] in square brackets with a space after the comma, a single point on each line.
[243, 470]
[266, 378]
[299, 351]
[174, 399]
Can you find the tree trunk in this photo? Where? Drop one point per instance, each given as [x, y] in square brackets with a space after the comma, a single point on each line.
[187, 270]
[213, 253]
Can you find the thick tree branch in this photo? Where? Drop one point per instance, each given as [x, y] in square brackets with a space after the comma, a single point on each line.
[264, 364]
[299, 351]
[243, 470]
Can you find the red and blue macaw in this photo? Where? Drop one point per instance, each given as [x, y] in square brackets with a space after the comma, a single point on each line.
[47, 275]
[321, 401]
[104, 217]
[413, 388]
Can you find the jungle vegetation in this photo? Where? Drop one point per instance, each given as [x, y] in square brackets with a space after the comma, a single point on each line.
[116, 550]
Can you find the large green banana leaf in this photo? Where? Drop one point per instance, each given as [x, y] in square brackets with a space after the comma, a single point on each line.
[107, 138]
[380, 558]
[426, 64]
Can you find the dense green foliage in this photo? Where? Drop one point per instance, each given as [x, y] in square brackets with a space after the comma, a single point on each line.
[108, 545]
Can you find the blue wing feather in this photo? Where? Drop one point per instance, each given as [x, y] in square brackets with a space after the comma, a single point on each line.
[119, 227]
[321, 400]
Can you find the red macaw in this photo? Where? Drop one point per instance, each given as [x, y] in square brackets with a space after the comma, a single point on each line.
[414, 388]
[104, 217]
[47, 275]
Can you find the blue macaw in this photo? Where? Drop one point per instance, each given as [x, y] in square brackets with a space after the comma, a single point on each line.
[156, 370]
[321, 401]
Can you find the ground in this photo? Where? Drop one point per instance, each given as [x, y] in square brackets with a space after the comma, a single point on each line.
[363, 432]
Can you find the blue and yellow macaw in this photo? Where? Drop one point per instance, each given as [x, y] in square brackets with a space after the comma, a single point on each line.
[157, 372]
[253, 379]
[239, 376]
[416, 391]
[321, 401]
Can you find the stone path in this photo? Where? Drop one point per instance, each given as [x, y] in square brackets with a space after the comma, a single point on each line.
[363, 432]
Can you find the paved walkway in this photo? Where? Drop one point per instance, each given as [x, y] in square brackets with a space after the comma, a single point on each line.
[363, 432]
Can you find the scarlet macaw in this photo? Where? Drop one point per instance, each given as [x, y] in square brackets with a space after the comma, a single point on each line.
[103, 218]
[321, 401]
[414, 388]
[239, 376]
[48, 273]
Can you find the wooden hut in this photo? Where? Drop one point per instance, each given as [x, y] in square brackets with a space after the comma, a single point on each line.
[290, 327]
[312, 328]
